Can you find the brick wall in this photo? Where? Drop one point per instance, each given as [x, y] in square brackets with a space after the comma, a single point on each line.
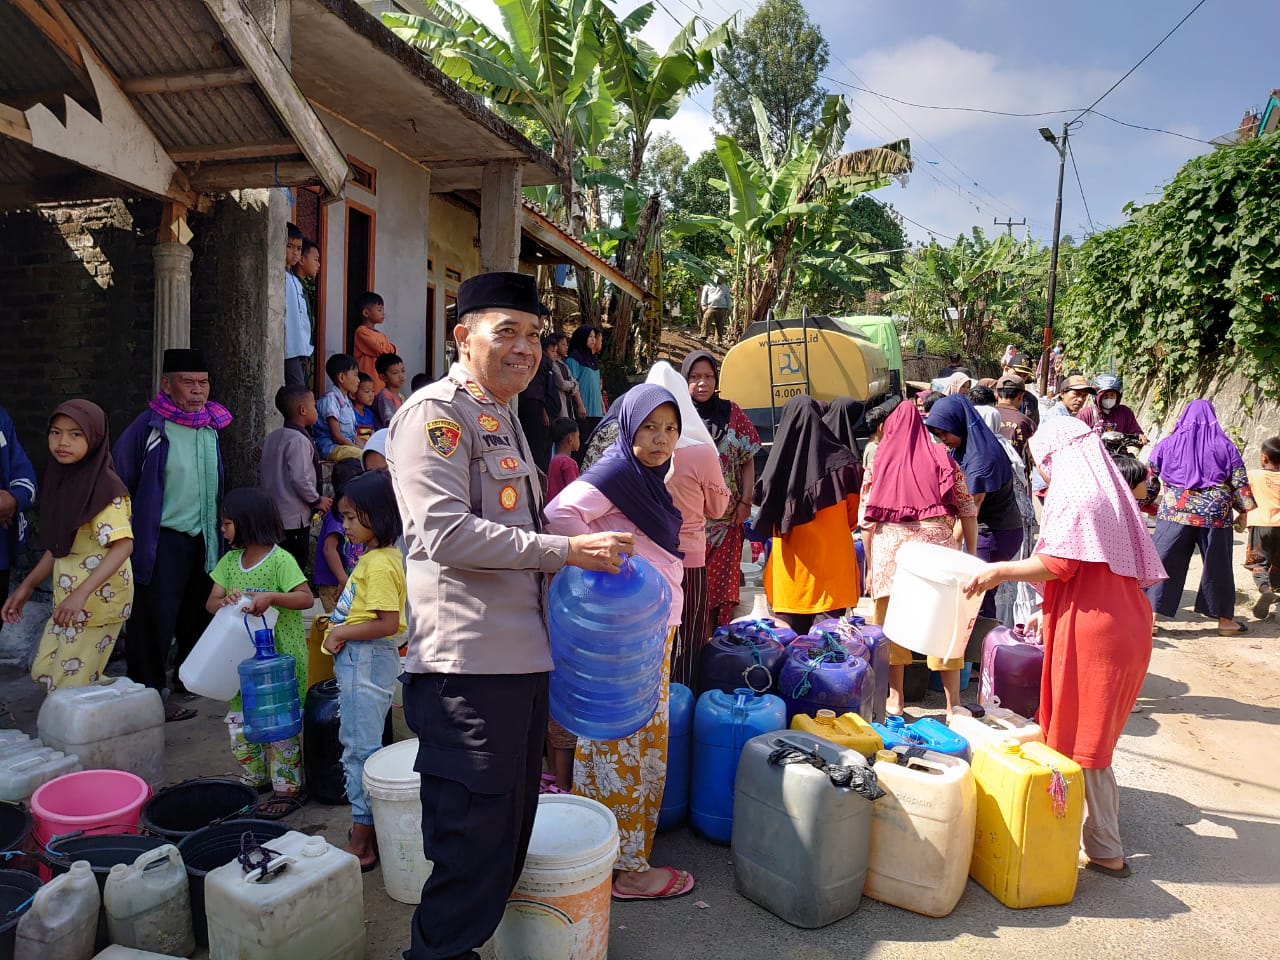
[76, 303]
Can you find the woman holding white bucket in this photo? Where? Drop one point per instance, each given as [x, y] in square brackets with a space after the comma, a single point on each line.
[1092, 561]
[913, 493]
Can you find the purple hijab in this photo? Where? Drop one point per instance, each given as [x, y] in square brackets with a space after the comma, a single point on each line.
[1198, 454]
[640, 492]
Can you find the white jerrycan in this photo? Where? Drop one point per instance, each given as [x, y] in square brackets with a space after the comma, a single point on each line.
[149, 905]
[63, 919]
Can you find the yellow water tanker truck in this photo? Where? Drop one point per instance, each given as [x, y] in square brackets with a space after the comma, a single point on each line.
[824, 357]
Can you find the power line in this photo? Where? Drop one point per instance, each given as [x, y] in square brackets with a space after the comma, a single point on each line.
[1130, 71]
[934, 106]
[1138, 126]
[1076, 170]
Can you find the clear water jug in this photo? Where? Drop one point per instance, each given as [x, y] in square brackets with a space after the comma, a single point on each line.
[748, 653]
[722, 724]
[996, 723]
[608, 641]
[24, 770]
[313, 910]
[63, 920]
[210, 669]
[800, 843]
[269, 686]
[149, 905]
[675, 796]
[856, 628]
[925, 732]
[921, 831]
[820, 674]
[109, 726]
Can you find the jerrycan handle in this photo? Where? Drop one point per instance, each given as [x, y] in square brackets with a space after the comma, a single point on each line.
[157, 857]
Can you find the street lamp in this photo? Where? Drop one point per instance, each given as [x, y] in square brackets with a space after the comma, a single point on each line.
[1059, 144]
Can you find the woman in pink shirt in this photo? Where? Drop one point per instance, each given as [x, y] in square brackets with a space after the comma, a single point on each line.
[625, 490]
[697, 486]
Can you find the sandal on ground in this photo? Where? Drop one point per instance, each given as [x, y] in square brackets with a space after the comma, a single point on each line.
[366, 866]
[277, 806]
[677, 886]
[1262, 609]
[1239, 628]
[1119, 873]
[548, 784]
[176, 714]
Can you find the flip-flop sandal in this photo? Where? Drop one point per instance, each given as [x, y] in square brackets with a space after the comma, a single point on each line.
[277, 806]
[1119, 873]
[674, 888]
[1239, 628]
[177, 716]
[372, 864]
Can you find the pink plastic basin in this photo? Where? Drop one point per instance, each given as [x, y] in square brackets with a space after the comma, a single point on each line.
[92, 801]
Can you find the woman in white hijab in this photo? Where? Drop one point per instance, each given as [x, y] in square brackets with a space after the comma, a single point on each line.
[696, 484]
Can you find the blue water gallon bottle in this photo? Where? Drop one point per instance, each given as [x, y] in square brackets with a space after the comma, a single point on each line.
[722, 724]
[675, 795]
[269, 687]
[608, 642]
[926, 732]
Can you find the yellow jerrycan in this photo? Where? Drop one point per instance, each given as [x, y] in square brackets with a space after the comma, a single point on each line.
[850, 731]
[1030, 809]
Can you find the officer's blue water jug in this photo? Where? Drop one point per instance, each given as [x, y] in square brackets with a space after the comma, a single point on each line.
[608, 642]
[747, 653]
[722, 724]
[269, 687]
[820, 674]
[675, 796]
[926, 732]
[857, 628]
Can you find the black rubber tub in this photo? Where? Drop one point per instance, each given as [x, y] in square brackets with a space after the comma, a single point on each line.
[15, 835]
[213, 847]
[16, 889]
[180, 810]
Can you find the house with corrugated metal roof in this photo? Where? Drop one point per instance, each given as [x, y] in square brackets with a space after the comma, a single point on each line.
[152, 153]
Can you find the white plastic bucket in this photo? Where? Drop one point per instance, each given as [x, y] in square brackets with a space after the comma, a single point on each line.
[928, 611]
[560, 906]
[391, 786]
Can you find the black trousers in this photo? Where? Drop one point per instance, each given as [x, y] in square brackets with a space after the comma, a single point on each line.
[169, 608]
[298, 543]
[480, 740]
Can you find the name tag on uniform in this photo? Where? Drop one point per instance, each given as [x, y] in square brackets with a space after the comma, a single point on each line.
[443, 435]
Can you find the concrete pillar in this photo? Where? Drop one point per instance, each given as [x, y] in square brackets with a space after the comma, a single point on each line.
[500, 216]
[244, 336]
[173, 302]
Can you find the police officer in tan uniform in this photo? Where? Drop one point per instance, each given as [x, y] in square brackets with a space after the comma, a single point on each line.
[476, 673]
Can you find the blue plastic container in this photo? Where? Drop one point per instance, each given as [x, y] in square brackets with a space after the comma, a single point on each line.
[776, 629]
[820, 674]
[675, 796]
[966, 674]
[722, 724]
[857, 628]
[608, 642]
[269, 687]
[747, 653]
[925, 732]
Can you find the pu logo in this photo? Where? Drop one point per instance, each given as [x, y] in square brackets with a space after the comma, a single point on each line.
[787, 363]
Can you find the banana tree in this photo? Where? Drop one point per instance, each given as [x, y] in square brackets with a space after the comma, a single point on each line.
[779, 206]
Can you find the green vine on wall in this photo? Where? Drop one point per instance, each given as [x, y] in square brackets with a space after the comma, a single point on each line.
[1191, 278]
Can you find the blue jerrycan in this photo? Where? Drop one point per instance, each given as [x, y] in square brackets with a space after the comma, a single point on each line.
[675, 796]
[722, 724]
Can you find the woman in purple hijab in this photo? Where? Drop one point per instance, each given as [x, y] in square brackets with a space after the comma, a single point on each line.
[1204, 481]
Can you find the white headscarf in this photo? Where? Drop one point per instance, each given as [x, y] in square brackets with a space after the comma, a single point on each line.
[692, 429]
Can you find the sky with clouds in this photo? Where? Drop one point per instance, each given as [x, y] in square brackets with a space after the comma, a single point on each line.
[1020, 57]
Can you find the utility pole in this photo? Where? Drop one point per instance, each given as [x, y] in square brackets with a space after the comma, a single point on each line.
[1059, 144]
[1010, 224]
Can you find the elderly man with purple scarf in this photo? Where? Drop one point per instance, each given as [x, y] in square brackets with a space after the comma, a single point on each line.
[1204, 480]
[170, 460]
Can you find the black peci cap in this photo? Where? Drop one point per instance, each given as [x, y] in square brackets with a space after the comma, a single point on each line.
[503, 291]
[184, 360]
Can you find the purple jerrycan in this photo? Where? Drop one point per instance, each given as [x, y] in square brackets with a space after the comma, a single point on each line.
[1011, 667]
